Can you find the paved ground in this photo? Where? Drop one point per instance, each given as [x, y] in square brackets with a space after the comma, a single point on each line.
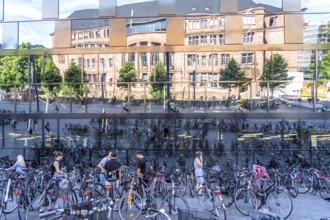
[305, 207]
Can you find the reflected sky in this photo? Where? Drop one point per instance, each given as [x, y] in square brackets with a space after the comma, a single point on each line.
[38, 32]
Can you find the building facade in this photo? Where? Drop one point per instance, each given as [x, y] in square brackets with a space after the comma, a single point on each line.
[102, 70]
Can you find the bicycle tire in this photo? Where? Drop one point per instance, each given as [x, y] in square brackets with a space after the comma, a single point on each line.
[304, 184]
[205, 198]
[1, 198]
[11, 202]
[220, 208]
[245, 201]
[280, 203]
[130, 211]
[38, 205]
[172, 203]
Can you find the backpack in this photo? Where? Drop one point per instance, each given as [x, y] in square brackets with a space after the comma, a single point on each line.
[149, 169]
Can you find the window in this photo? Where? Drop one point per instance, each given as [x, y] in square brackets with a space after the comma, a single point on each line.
[74, 36]
[97, 34]
[248, 37]
[88, 63]
[106, 33]
[144, 78]
[85, 35]
[123, 58]
[132, 58]
[102, 61]
[192, 59]
[91, 34]
[204, 24]
[225, 58]
[221, 39]
[61, 59]
[110, 62]
[196, 25]
[171, 61]
[213, 39]
[213, 59]
[80, 36]
[144, 59]
[92, 45]
[192, 79]
[247, 58]
[193, 40]
[110, 82]
[273, 22]
[249, 20]
[154, 59]
[203, 60]
[213, 78]
[203, 79]
[222, 22]
[213, 23]
[93, 63]
[203, 40]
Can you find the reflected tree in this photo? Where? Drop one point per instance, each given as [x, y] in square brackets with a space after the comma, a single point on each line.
[275, 69]
[159, 77]
[234, 74]
[51, 78]
[126, 74]
[73, 81]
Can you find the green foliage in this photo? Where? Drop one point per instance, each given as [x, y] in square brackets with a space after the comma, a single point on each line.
[159, 77]
[73, 81]
[232, 72]
[14, 70]
[126, 74]
[280, 72]
[325, 67]
[52, 78]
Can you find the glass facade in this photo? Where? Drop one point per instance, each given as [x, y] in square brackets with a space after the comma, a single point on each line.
[113, 81]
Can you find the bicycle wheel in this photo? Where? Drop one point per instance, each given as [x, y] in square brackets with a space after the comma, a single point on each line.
[172, 203]
[130, 206]
[280, 203]
[220, 208]
[205, 198]
[181, 185]
[11, 204]
[1, 198]
[245, 201]
[304, 183]
[38, 205]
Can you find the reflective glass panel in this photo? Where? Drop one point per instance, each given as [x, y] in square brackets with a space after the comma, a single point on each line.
[81, 8]
[21, 10]
[37, 33]
[9, 35]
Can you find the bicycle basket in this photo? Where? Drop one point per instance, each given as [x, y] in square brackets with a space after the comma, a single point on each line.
[62, 186]
[194, 214]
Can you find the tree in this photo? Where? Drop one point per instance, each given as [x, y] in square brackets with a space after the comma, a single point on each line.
[126, 74]
[274, 70]
[232, 72]
[159, 77]
[52, 78]
[73, 81]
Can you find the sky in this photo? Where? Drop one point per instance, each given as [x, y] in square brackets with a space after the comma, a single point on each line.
[38, 32]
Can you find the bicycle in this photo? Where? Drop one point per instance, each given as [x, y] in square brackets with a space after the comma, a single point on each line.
[161, 213]
[209, 196]
[8, 202]
[130, 205]
[174, 200]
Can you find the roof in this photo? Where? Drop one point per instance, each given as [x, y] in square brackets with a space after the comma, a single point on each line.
[150, 10]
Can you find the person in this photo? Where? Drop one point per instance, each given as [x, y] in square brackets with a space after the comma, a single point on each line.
[56, 167]
[19, 165]
[56, 108]
[47, 127]
[113, 166]
[141, 166]
[102, 168]
[198, 165]
[125, 109]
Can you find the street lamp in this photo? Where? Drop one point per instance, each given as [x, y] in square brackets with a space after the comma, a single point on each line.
[102, 79]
